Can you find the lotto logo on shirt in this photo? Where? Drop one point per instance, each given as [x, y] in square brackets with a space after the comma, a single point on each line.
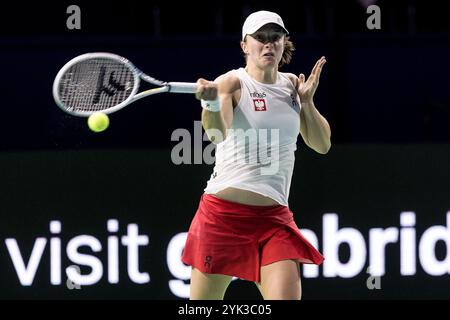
[260, 104]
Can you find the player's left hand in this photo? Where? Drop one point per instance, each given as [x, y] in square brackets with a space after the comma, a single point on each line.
[307, 89]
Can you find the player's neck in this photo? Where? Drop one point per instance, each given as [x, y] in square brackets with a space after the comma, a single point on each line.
[268, 76]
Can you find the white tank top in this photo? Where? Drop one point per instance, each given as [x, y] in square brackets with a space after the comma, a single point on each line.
[258, 152]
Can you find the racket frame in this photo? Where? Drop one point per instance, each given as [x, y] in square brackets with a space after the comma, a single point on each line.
[175, 87]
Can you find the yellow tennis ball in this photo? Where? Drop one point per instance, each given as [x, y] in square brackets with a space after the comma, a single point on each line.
[98, 122]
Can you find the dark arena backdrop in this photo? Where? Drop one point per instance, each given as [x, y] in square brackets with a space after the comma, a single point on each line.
[89, 215]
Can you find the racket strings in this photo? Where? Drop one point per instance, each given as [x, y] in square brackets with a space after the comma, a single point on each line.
[95, 85]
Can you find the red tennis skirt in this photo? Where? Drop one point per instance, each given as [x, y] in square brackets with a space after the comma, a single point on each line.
[237, 239]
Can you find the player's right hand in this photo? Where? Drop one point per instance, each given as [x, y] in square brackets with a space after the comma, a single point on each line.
[206, 90]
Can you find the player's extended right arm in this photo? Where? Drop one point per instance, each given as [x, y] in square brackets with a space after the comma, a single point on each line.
[216, 124]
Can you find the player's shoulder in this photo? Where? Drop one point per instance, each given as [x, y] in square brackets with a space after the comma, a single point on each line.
[229, 80]
[230, 76]
[292, 77]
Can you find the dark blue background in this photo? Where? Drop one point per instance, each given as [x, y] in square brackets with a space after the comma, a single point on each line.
[387, 86]
[378, 86]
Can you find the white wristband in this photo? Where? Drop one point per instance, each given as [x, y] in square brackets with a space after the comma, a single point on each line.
[211, 105]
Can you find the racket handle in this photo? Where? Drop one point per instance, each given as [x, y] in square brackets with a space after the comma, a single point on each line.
[182, 87]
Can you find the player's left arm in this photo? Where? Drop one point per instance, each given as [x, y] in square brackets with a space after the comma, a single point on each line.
[314, 128]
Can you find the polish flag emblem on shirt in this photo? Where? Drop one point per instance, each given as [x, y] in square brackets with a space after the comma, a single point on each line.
[260, 104]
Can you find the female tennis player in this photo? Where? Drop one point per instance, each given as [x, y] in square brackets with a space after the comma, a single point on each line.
[243, 226]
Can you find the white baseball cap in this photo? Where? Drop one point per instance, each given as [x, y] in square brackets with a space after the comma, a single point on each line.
[258, 19]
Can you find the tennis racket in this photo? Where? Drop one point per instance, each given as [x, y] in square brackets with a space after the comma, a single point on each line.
[105, 82]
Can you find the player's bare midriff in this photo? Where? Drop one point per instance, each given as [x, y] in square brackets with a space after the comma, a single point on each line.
[245, 197]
